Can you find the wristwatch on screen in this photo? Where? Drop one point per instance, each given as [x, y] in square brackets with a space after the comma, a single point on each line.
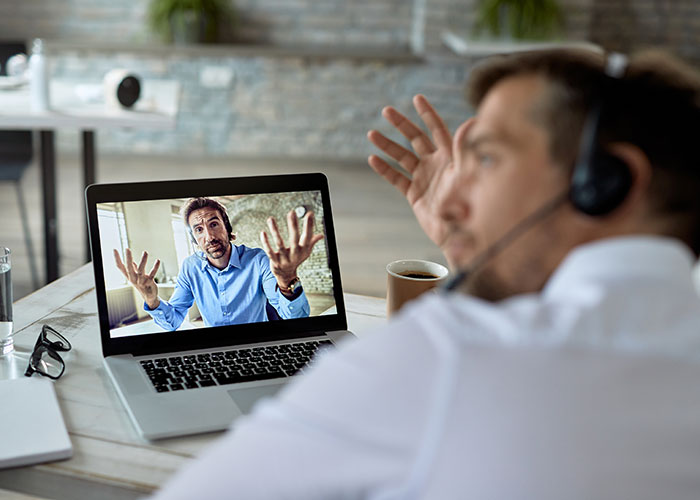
[294, 286]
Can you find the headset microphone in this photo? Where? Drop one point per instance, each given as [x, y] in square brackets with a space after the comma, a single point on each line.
[508, 238]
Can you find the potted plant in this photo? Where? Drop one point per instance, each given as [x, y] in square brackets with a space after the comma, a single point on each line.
[189, 21]
[519, 19]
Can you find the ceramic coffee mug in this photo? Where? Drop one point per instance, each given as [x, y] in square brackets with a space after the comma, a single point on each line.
[407, 279]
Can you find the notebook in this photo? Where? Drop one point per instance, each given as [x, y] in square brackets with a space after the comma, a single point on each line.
[223, 330]
[32, 423]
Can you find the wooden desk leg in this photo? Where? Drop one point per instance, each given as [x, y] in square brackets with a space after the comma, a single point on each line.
[48, 182]
[88, 178]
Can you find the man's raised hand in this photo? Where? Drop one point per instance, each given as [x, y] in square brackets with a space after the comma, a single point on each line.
[421, 169]
[137, 276]
[285, 260]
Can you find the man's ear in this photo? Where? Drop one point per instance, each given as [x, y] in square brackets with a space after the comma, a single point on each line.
[640, 171]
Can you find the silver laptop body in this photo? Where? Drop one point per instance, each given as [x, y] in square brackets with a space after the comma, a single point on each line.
[135, 347]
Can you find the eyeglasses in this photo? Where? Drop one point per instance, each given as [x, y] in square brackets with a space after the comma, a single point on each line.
[45, 359]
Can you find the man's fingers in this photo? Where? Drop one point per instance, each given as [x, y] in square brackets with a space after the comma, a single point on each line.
[393, 176]
[272, 224]
[305, 233]
[266, 246]
[118, 262]
[154, 269]
[316, 238]
[462, 132]
[308, 234]
[130, 266]
[403, 156]
[293, 226]
[142, 265]
[437, 127]
[420, 142]
[128, 258]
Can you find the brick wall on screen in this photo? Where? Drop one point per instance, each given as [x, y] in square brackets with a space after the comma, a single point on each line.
[248, 215]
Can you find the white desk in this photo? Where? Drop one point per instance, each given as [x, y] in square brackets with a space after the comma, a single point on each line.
[110, 460]
[156, 109]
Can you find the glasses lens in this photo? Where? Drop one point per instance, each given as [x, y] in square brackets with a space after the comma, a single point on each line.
[47, 363]
[56, 340]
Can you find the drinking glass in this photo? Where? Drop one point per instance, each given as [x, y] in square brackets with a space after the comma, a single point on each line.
[12, 362]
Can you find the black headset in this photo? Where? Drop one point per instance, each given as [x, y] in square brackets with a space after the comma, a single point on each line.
[224, 216]
[600, 180]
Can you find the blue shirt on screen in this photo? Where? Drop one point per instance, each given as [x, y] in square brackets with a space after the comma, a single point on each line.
[233, 295]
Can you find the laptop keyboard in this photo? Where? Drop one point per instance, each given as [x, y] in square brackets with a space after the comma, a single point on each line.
[177, 373]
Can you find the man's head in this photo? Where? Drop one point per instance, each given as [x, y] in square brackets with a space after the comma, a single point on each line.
[209, 225]
[519, 151]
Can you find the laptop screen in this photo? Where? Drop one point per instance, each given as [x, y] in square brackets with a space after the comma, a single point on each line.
[213, 259]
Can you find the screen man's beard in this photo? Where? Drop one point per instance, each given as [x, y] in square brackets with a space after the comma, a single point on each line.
[216, 248]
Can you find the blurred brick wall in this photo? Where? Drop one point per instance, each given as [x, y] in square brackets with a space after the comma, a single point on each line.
[90, 20]
[308, 106]
[361, 22]
[278, 107]
[348, 22]
[618, 24]
[629, 25]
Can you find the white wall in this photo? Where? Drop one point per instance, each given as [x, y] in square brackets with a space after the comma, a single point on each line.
[148, 227]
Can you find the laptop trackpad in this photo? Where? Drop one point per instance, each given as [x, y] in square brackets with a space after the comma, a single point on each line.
[245, 399]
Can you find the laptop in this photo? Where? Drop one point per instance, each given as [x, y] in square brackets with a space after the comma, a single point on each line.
[223, 338]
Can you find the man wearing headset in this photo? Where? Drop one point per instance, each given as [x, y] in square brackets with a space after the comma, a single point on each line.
[571, 206]
[232, 284]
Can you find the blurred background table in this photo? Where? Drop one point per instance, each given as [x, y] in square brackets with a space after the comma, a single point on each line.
[156, 109]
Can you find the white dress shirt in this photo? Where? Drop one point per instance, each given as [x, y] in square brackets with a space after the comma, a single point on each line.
[588, 390]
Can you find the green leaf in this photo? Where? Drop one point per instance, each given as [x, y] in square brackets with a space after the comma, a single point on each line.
[525, 19]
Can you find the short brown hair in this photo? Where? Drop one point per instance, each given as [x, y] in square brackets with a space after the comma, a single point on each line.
[196, 203]
[655, 106]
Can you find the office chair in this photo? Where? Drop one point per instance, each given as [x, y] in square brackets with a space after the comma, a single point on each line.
[16, 152]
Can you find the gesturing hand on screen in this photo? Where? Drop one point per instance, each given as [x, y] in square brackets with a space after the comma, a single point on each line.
[286, 259]
[137, 276]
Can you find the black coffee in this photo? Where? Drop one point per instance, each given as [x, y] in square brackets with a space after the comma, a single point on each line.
[420, 275]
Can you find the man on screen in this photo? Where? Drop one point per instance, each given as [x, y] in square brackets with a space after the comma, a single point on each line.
[232, 284]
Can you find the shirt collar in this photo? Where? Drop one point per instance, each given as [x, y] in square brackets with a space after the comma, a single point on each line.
[233, 261]
[612, 259]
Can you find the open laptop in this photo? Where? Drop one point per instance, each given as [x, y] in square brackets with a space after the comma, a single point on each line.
[188, 371]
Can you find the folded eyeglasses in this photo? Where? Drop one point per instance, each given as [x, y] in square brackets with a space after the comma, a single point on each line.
[45, 359]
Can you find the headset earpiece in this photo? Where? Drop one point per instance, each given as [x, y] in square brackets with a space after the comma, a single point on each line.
[227, 224]
[601, 185]
[600, 180]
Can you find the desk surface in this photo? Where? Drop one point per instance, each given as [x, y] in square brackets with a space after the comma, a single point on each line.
[110, 460]
[155, 109]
